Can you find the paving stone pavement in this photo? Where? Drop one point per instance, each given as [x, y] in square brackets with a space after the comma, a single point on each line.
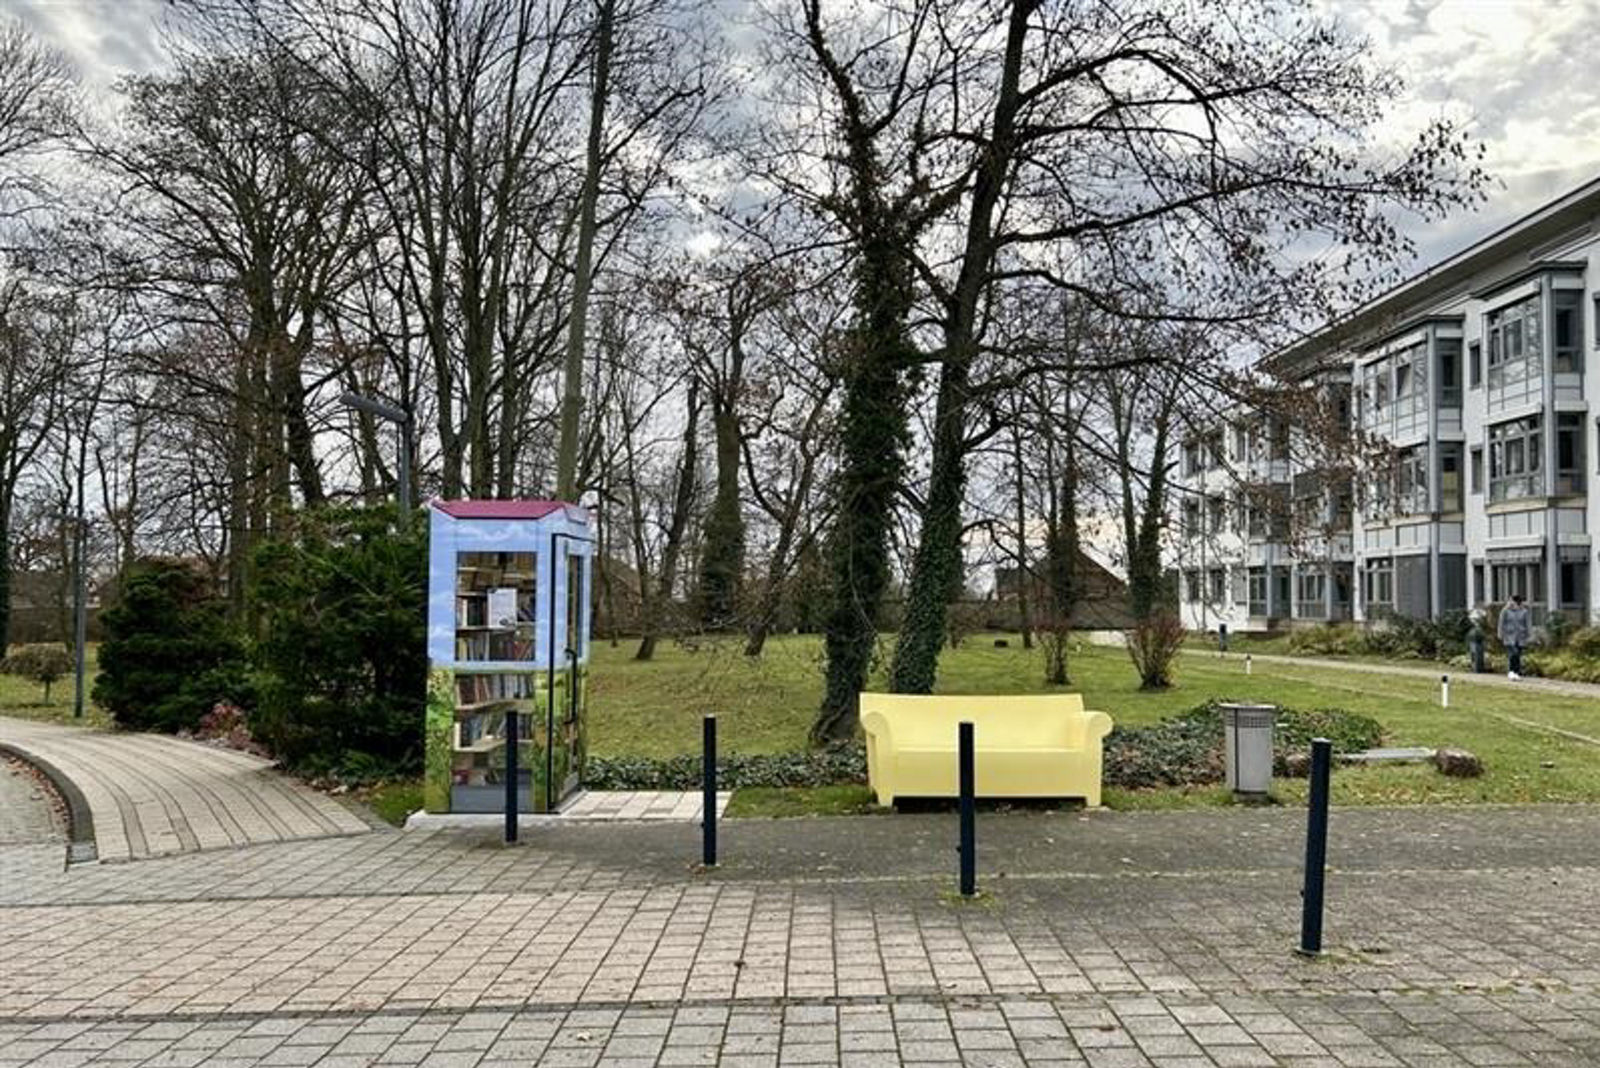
[1456, 937]
[151, 795]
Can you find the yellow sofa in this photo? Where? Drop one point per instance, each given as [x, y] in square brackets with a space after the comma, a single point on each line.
[1036, 745]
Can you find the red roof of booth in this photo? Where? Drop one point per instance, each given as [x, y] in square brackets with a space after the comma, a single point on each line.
[500, 509]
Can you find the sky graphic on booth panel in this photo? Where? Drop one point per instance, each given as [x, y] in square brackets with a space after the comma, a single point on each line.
[1518, 72]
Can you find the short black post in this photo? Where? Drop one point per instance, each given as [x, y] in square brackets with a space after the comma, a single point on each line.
[708, 818]
[969, 812]
[1316, 848]
[511, 776]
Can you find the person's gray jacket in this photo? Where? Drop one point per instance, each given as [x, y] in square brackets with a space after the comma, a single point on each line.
[1516, 625]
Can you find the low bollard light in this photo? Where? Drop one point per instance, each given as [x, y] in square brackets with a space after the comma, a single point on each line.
[1316, 849]
[969, 811]
[1247, 663]
[708, 797]
[1444, 691]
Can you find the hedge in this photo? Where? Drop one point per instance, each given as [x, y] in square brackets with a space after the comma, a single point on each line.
[1184, 750]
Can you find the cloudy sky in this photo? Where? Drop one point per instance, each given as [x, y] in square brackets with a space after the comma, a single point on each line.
[1520, 73]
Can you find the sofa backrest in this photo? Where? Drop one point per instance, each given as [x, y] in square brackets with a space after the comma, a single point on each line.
[1012, 721]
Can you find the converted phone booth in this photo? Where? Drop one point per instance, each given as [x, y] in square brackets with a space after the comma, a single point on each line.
[508, 651]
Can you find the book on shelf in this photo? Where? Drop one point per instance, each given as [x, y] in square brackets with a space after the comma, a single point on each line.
[471, 611]
[478, 689]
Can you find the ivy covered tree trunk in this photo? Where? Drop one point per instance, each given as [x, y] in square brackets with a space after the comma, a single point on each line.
[936, 572]
[722, 551]
[1062, 549]
[872, 434]
[1144, 550]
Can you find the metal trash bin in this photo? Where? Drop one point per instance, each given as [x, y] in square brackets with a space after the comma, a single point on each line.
[1247, 747]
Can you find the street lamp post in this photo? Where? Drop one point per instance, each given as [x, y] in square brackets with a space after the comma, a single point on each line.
[402, 419]
[80, 602]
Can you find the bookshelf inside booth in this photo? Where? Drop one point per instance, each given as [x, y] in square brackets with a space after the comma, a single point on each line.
[508, 643]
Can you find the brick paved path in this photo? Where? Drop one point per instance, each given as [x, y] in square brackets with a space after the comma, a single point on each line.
[151, 795]
[1457, 936]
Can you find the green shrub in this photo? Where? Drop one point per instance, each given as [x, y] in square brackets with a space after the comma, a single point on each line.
[342, 653]
[42, 663]
[821, 767]
[1585, 643]
[1326, 639]
[1181, 751]
[1558, 630]
[1187, 749]
[168, 653]
[1427, 639]
[1565, 664]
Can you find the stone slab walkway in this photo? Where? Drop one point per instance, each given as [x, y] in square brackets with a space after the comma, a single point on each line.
[590, 806]
[150, 795]
[1456, 936]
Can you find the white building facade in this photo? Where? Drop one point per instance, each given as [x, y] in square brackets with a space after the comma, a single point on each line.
[1481, 376]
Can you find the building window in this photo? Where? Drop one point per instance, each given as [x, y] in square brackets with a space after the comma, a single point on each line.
[1575, 586]
[1216, 451]
[1411, 481]
[1218, 579]
[1511, 579]
[1477, 469]
[1450, 495]
[1278, 438]
[1258, 591]
[1375, 393]
[1477, 584]
[1313, 590]
[1191, 586]
[1515, 459]
[1377, 584]
[1475, 364]
[1411, 382]
[1216, 514]
[1568, 354]
[1191, 457]
[1449, 350]
[1514, 343]
[1191, 517]
[1569, 453]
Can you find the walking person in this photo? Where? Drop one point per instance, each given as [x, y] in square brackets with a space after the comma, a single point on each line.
[1515, 631]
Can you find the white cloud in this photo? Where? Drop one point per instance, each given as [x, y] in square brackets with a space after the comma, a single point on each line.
[1518, 73]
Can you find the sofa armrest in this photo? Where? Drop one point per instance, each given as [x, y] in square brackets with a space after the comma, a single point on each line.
[1097, 725]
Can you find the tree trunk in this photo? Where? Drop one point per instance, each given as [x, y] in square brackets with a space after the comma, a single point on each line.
[572, 372]
[936, 571]
[1024, 574]
[937, 568]
[682, 503]
[722, 562]
[5, 571]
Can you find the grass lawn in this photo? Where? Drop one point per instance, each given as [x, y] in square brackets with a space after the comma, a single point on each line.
[24, 699]
[654, 709]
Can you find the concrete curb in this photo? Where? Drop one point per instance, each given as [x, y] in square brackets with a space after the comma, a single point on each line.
[80, 821]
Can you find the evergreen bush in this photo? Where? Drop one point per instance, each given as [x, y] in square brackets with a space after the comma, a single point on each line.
[168, 653]
[342, 648]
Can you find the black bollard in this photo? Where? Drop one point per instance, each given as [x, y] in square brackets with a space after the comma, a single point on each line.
[511, 777]
[1316, 848]
[969, 812]
[708, 818]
